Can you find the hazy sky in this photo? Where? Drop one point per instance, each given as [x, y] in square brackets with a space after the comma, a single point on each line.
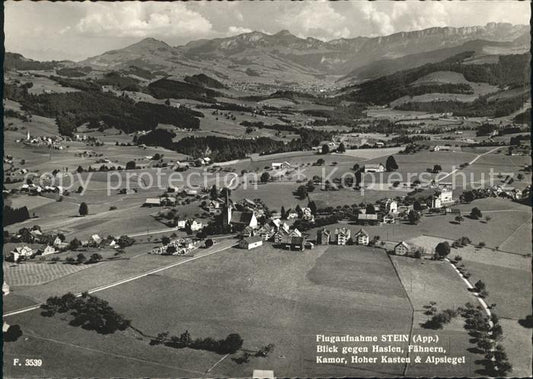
[67, 30]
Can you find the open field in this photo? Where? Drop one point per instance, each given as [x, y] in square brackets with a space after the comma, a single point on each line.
[265, 307]
[32, 274]
[427, 281]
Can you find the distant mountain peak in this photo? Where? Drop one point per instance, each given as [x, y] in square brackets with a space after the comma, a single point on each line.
[284, 32]
[149, 42]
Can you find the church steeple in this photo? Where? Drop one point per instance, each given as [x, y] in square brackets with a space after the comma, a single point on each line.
[227, 210]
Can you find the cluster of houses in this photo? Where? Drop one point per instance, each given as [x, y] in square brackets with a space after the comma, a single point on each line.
[170, 198]
[53, 142]
[52, 245]
[508, 191]
[88, 154]
[342, 236]
[35, 189]
[178, 246]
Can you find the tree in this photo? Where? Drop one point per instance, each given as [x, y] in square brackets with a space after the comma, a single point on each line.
[171, 250]
[417, 206]
[231, 344]
[213, 193]
[208, 242]
[13, 333]
[341, 148]
[313, 207]
[391, 164]
[488, 218]
[370, 209]
[442, 249]
[131, 165]
[165, 240]
[467, 197]
[74, 244]
[84, 209]
[459, 219]
[265, 177]
[414, 217]
[95, 258]
[476, 213]
[325, 149]
[125, 241]
[283, 213]
[437, 168]
[80, 258]
[479, 286]
[301, 192]
[265, 350]
[320, 161]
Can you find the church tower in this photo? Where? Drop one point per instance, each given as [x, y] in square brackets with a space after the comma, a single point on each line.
[227, 210]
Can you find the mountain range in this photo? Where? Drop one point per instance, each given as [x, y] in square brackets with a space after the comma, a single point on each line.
[285, 59]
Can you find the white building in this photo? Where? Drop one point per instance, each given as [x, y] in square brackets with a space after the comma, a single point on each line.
[372, 167]
[362, 237]
[250, 242]
[402, 248]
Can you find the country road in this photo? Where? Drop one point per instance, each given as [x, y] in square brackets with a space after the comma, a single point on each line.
[219, 247]
[470, 163]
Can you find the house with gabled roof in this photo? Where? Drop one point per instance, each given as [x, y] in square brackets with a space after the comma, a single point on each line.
[402, 248]
[342, 236]
[323, 237]
[297, 243]
[361, 237]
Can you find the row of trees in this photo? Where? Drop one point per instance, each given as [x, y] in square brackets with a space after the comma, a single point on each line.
[229, 345]
[14, 215]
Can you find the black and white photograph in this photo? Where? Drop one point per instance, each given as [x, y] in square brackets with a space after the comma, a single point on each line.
[267, 189]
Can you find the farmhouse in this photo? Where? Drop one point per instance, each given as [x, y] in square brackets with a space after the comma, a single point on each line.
[362, 237]
[250, 243]
[5, 288]
[48, 250]
[442, 148]
[20, 252]
[281, 237]
[168, 200]
[280, 166]
[372, 167]
[193, 225]
[266, 232]
[367, 219]
[391, 206]
[389, 219]
[342, 235]
[291, 214]
[95, 239]
[402, 248]
[152, 202]
[59, 244]
[248, 232]
[323, 237]
[297, 243]
[307, 214]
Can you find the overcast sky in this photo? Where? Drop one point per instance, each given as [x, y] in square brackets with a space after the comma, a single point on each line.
[67, 30]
